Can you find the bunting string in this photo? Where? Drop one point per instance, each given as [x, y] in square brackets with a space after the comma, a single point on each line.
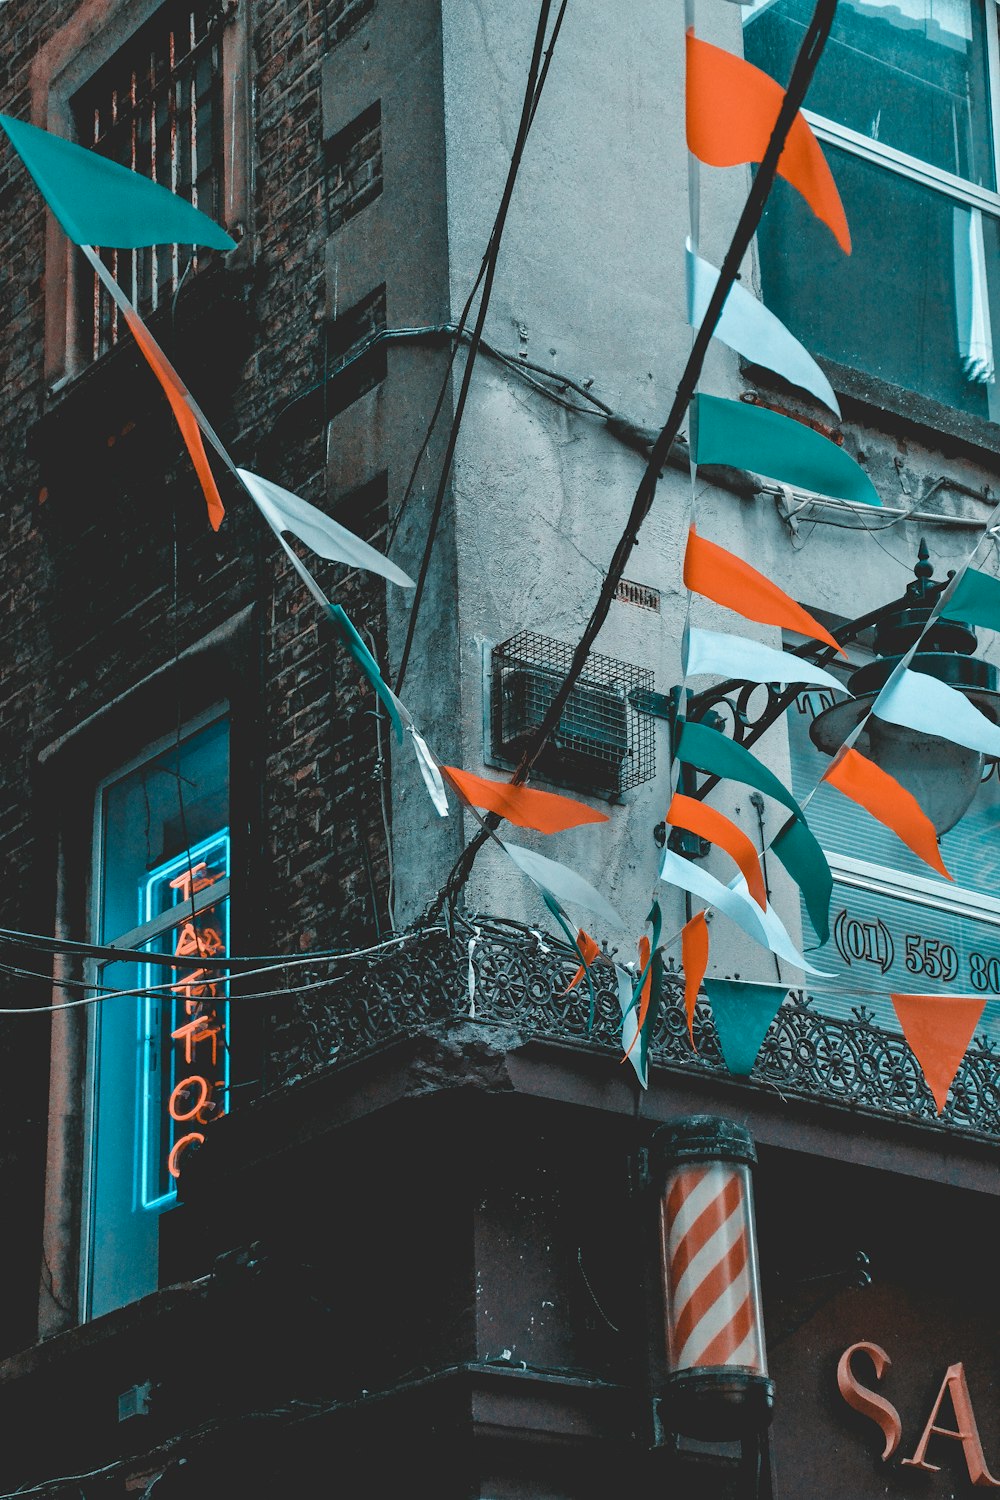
[735, 114]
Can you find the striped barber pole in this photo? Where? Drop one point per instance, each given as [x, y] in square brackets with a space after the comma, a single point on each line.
[709, 1261]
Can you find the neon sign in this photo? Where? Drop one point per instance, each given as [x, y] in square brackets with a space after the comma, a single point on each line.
[185, 1041]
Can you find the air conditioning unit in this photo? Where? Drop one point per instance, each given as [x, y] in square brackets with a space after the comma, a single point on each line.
[591, 742]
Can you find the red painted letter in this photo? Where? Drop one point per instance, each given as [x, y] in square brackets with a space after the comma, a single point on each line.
[876, 1408]
[955, 1384]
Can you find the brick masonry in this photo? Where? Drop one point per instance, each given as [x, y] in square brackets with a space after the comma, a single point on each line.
[354, 174]
[109, 567]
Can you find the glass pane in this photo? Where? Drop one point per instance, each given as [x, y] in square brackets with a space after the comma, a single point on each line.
[155, 813]
[903, 940]
[139, 110]
[917, 302]
[912, 74]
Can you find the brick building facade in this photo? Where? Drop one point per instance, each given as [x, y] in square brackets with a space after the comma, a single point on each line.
[112, 573]
[419, 1250]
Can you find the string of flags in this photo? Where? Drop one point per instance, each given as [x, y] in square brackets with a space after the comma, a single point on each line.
[731, 110]
[99, 203]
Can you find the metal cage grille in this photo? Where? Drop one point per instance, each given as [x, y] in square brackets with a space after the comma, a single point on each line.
[155, 107]
[601, 744]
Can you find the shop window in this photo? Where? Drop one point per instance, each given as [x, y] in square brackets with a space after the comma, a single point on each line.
[158, 1072]
[895, 925]
[904, 104]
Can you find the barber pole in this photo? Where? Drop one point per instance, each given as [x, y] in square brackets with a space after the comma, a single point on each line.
[717, 1381]
[713, 1315]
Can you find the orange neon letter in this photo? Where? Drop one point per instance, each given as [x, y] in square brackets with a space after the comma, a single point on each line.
[193, 989]
[177, 1148]
[196, 1081]
[876, 1408]
[200, 1029]
[967, 1433]
[205, 944]
[191, 881]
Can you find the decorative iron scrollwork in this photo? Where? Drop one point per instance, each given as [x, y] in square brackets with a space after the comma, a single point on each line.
[522, 982]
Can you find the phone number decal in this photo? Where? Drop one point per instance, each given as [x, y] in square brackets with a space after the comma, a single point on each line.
[869, 941]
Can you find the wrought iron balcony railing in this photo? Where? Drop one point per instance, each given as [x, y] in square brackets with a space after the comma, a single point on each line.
[521, 979]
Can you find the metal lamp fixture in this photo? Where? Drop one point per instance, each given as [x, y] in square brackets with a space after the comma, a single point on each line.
[717, 1386]
[943, 776]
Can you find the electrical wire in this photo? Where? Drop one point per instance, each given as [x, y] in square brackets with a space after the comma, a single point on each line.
[152, 991]
[381, 764]
[537, 73]
[460, 327]
[806, 60]
[138, 994]
[105, 953]
[500, 927]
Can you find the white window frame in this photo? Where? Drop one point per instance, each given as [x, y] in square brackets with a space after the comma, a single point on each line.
[916, 890]
[877, 152]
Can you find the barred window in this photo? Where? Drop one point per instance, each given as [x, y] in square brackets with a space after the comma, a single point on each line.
[156, 107]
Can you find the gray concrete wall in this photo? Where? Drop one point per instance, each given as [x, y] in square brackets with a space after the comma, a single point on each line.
[591, 284]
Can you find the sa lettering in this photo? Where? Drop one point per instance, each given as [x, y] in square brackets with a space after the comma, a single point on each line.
[885, 1416]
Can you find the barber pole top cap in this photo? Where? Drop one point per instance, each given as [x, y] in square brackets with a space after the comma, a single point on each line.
[701, 1138]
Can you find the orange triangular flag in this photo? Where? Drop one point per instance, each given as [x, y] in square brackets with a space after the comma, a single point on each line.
[544, 811]
[176, 394]
[694, 961]
[726, 579]
[647, 986]
[938, 1029]
[590, 950]
[881, 794]
[732, 108]
[708, 823]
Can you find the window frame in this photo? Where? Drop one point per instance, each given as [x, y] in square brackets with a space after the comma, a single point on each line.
[94, 971]
[222, 665]
[61, 68]
[924, 173]
[872, 396]
[918, 890]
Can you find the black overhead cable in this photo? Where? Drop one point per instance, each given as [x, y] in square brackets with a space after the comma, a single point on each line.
[537, 72]
[808, 56]
[459, 329]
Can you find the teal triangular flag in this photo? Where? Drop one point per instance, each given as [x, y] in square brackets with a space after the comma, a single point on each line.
[560, 916]
[742, 1013]
[98, 202]
[742, 436]
[806, 863]
[369, 666]
[976, 600]
[653, 1013]
[713, 753]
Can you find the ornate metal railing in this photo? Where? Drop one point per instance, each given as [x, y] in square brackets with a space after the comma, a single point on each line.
[521, 979]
